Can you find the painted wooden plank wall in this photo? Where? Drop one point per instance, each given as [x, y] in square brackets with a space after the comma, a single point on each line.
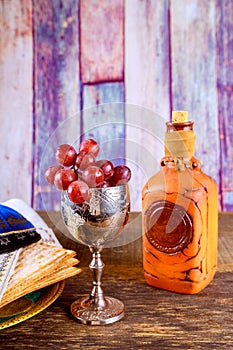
[102, 67]
[224, 31]
[101, 40]
[103, 119]
[194, 77]
[68, 66]
[16, 96]
[56, 88]
[147, 86]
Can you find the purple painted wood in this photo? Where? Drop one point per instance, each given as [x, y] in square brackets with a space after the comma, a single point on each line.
[194, 80]
[147, 67]
[147, 88]
[16, 99]
[103, 119]
[125, 45]
[102, 52]
[225, 94]
[56, 88]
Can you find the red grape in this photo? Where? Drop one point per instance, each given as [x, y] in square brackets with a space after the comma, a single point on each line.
[78, 192]
[103, 184]
[79, 171]
[121, 176]
[84, 160]
[51, 172]
[63, 178]
[66, 154]
[89, 146]
[93, 175]
[107, 167]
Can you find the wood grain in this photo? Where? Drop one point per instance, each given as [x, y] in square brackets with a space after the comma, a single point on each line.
[155, 55]
[16, 128]
[154, 319]
[224, 25]
[194, 79]
[103, 119]
[102, 40]
[56, 89]
[147, 88]
[147, 69]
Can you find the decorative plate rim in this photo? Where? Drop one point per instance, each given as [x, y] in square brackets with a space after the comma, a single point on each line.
[51, 294]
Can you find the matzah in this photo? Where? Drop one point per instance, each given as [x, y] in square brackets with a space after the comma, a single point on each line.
[39, 264]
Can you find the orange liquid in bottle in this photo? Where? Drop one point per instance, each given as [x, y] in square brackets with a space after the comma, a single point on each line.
[180, 218]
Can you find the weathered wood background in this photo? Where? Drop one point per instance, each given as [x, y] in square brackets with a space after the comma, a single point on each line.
[113, 70]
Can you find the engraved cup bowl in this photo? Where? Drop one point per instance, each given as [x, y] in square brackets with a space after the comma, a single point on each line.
[100, 219]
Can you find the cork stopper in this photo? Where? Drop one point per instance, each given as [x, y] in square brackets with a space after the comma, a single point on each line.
[179, 116]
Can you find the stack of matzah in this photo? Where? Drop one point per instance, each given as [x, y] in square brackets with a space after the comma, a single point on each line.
[40, 264]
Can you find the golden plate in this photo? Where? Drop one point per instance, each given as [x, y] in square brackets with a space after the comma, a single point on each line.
[29, 305]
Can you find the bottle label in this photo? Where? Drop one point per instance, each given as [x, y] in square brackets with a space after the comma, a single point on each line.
[180, 143]
[168, 227]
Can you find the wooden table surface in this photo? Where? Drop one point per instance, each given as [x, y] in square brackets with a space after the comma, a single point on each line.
[155, 319]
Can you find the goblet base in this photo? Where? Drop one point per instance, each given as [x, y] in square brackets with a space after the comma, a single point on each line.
[86, 312]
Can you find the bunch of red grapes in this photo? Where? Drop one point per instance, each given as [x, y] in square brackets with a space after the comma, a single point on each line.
[80, 171]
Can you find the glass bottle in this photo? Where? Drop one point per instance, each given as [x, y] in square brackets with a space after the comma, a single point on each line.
[180, 216]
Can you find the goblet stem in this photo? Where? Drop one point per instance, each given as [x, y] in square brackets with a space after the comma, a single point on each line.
[96, 309]
[97, 266]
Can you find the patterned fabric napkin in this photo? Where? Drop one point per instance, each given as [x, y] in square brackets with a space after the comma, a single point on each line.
[15, 230]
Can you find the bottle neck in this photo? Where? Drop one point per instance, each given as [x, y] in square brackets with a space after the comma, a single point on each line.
[180, 140]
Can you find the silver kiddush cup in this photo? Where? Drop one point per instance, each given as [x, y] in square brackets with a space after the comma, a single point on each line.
[94, 223]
